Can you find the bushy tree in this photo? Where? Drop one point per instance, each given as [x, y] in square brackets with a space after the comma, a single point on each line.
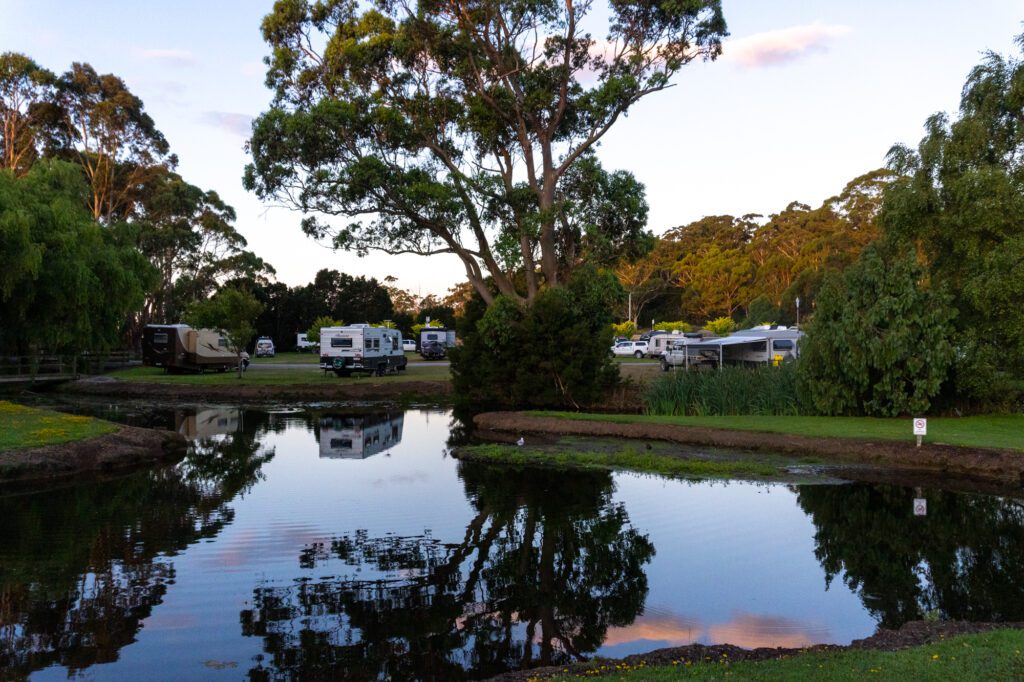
[761, 311]
[553, 353]
[452, 127]
[880, 340]
[66, 282]
[721, 326]
[313, 333]
[960, 198]
[231, 310]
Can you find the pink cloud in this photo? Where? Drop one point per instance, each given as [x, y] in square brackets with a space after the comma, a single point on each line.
[236, 124]
[773, 48]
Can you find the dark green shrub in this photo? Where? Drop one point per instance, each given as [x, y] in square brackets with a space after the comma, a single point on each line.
[553, 353]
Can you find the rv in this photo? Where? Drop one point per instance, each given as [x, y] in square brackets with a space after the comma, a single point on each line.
[359, 436]
[435, 342]
[264, 347]
[303, 344]
[361, 348]
[758, 346]
[208, 423]
[180, 348]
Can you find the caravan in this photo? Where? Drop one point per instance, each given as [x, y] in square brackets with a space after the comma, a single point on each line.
[361, 348]
[180, 348]
[435, 342]
[359, 436]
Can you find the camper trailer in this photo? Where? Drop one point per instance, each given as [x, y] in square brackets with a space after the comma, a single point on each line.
[208, 423]
[435, 342]
[758, 346]
[304, 345]
[361, 348]
[180, 348]
[359, 436]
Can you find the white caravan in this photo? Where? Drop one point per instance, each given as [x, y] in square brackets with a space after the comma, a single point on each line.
[361, 348]
[758, 346]
[303, 344]
[359, 436]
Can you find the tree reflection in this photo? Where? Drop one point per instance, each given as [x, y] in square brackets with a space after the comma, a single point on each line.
[962, 560]
[81, 567]
[546, 565]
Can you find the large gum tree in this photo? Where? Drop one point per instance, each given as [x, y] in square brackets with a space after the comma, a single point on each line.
[447, 126]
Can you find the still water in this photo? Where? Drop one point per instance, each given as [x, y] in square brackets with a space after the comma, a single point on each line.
[351, 545]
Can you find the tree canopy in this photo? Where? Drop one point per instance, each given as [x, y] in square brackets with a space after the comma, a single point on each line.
[451, 127]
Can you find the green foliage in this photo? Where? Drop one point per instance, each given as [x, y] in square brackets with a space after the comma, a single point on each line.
[439, 104]
[679, 326]
[960, 198]
[66, 282]
[552, 353]
[761, 311]
[626, 329]
[721, 326]
[233, 311]
[313, 333]
[880, 341]
[730, 391]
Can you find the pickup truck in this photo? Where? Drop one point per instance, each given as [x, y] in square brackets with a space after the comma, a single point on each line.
[675, 355]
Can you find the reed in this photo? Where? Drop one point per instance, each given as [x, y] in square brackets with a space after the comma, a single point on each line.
[731, 391]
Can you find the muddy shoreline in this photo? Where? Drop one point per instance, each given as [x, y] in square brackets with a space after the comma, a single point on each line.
[914, 633]
[127, 448]
[254, 393]
[995, 469]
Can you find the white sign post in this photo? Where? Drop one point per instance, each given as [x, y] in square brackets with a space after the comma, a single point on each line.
[920, 429]
[920, 506]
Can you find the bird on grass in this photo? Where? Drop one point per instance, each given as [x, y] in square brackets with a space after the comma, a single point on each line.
[521, 441]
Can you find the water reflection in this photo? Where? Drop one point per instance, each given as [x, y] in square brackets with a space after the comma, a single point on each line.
[546, 565]
[359, 436]
[82, 567]
[962, 561]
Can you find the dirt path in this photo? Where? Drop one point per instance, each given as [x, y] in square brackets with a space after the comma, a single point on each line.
[128, 447]
[915, 633]
[1002, 467]
[398, 390]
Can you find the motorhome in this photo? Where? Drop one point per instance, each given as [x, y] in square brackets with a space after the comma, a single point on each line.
[180, 348]
[361, 348]
[767, 344]
[359, 436]
[304, 345]
[264, 347]
[435, 342]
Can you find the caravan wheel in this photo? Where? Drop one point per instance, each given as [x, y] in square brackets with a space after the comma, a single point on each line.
[381, 370]
[664, 365]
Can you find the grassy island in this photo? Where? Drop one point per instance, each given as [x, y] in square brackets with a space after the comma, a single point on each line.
[29, 427]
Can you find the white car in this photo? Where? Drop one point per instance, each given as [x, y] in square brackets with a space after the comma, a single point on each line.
[637, 349]
[409, 345]
[264, 347]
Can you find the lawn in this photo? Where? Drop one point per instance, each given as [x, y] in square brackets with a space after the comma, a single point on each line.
[989, 656]
[26, 427]
[1002, 431]
[257, 375]
[307, 359]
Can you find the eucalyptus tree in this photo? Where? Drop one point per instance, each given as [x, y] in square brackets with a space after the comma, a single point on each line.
[449, 127]
[107, 131]
[25, 92]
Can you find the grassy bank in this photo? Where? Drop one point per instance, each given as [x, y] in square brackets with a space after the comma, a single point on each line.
[1003, 431]
[258, 376]
[997, 655]
[631, 459]
[28, 427]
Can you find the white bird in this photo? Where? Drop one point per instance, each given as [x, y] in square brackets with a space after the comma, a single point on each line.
[520, 442]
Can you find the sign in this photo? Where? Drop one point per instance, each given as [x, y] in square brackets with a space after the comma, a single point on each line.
[920, 506]
[920, 427]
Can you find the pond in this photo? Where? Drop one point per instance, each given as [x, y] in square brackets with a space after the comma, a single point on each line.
[350, 544]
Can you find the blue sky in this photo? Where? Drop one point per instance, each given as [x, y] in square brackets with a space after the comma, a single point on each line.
[807, 96]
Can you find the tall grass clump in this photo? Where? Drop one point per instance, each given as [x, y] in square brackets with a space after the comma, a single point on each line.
[732, 391]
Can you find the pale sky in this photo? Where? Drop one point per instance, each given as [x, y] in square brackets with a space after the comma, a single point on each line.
[807, 96]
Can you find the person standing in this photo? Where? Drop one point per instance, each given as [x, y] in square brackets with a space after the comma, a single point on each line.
[245, 360]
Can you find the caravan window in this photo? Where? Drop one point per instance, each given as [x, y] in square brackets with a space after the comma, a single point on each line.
[160, 337]
[367, 344]
[222, 342]
[431, 337]
[782, 344]
[341, 342]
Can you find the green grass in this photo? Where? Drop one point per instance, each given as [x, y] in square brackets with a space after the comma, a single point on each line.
[995, 655]
[29, 427]
[1000, 431]
[629, 459]
[258, 376]
[307, 359]
[732, 390]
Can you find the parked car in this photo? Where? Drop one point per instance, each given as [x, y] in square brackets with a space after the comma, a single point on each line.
[433, 350]
[409, 345]
[264, 347]
[637, 349]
